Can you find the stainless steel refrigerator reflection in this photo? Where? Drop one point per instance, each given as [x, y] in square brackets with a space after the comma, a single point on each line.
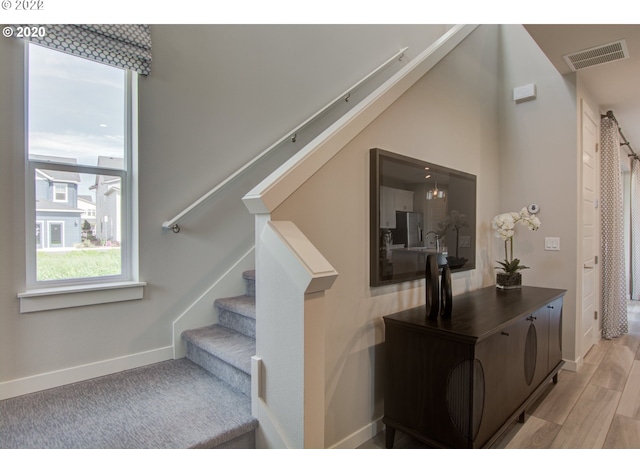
[409, 229]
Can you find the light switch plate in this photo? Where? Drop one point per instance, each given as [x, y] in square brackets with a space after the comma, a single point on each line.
[552, 243]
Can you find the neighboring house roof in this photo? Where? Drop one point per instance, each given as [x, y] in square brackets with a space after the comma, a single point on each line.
[55, 175]
[50, 206]
[86, 199]
[108, 162]
[59, 176]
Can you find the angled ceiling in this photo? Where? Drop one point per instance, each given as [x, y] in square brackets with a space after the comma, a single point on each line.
[614, 85]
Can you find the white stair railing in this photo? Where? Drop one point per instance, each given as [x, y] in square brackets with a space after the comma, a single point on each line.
[290, 136]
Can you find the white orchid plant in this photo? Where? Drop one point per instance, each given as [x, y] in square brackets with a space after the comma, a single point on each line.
[505, 224]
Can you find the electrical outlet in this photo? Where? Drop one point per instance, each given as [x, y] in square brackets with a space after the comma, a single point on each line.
[552, 243]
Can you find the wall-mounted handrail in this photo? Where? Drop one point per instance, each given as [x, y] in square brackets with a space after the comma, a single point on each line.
[291, 135]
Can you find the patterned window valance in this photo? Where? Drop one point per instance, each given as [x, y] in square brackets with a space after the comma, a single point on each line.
[124, 46]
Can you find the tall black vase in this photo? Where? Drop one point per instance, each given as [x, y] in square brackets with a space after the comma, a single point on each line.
[432, 288]
[446, 297]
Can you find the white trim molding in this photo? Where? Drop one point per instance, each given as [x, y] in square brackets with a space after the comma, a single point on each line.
[38, 300]
[360, 436]
[44, 381]
[277, 187]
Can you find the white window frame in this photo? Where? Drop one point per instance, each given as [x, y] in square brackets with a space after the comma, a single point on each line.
[51, 295]
[55, 192]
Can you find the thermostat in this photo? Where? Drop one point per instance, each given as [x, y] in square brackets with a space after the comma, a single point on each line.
[533, 208]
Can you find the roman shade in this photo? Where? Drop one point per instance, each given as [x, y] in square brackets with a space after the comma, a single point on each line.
[124, 46]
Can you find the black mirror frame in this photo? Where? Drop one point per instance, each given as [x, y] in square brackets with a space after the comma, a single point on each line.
[376, 154]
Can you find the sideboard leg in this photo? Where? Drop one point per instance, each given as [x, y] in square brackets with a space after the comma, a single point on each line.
[522, 418]
[390, 436]
[555, 378]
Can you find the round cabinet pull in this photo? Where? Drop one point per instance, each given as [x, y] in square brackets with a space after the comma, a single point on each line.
[531, 318]
[550, 307]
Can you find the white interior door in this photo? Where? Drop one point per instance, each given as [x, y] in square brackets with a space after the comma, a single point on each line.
[589, 224]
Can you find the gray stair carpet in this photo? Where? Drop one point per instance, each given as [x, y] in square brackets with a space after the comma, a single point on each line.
[238, 313]
[249, 277]
[172, 405]
[223, 352]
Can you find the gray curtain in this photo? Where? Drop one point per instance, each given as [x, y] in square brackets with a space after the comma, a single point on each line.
[124, 46]
[635, 229]
[614, 304]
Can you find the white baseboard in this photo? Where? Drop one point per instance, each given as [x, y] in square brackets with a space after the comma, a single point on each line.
[573, 365]
[44, 381]
[360, 436]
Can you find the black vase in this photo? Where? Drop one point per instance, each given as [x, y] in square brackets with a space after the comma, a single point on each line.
[432, 289]
[446, 298]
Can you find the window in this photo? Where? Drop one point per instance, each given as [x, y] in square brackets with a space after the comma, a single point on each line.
[60, 193]
[79, 151]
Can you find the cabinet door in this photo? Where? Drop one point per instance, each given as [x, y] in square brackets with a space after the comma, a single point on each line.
[539, 323]
[492, 355]
[418, 377]
[555, 333]
[404, 200]
[387, 207]
[515, 379]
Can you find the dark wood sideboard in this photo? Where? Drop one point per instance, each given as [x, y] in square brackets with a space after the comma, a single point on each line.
[460, 382]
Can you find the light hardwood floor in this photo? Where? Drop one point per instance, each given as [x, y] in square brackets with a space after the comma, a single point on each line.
[595, 408]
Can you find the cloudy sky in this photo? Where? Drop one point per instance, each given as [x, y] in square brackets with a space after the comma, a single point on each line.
[76, 107]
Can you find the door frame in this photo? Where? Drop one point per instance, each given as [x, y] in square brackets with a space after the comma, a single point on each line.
[587, 113]
[62, 242]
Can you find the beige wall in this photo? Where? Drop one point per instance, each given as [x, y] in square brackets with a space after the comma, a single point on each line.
[461, 115]
[449, 118]
[539, 164]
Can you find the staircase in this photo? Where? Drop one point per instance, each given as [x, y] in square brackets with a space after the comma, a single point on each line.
[225, 349]
[174, 404]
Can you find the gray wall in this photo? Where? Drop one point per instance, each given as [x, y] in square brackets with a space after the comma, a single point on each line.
[217, 96]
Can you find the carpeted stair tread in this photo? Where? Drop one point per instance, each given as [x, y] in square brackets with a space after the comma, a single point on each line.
[227, 345]
[169, 405]
[242, 305]
[249, 277]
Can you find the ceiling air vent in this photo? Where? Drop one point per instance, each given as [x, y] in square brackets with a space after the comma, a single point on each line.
[597, 55]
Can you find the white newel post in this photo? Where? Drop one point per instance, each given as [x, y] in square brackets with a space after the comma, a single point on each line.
[288, 370]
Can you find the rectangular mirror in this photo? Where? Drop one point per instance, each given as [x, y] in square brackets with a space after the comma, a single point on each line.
[419, 208]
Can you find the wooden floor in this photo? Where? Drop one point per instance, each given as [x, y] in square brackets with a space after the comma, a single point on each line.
[596, 408]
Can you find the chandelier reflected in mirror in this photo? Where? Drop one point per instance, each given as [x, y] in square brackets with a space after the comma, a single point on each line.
[436, 193]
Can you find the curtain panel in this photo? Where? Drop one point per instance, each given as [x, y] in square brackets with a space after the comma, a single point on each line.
[614, 285]
[635, 229]
[123, 46]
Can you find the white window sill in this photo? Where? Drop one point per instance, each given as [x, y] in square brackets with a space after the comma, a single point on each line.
[38, 300]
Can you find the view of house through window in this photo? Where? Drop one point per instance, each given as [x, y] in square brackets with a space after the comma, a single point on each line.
[77, 153]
